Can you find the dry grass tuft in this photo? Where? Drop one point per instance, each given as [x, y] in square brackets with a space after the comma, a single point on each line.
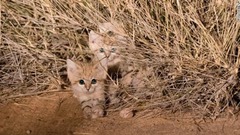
[192, 46]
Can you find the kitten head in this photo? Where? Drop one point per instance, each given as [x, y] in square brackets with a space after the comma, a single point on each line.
[111, 27]
[86, 77]
[117, 31]
[104, 48]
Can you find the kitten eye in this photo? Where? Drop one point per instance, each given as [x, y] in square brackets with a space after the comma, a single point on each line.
[81, 82]
[110, 33]
[94, 81]
[113, 49]
[101, 50]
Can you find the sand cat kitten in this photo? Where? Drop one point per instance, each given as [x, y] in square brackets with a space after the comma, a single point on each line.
[129, 74]
[108, 45]
[87, 83]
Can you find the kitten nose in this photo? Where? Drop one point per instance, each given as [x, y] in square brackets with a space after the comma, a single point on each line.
[107, 54]
[88, 87]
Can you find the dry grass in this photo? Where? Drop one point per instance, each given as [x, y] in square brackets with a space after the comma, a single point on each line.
[193, 47]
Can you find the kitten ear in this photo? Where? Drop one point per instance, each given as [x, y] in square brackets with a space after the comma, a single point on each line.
[71, 70]
[95, 40]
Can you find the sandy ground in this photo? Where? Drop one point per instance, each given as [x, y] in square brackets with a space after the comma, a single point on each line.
[60, 114]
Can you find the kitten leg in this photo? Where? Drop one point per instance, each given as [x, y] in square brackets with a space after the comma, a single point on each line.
[114, 99]
[127, 79]
[113, 94]
[87, 108]
[87, 112]
[93, 108]
[98, 109]
[138, 81]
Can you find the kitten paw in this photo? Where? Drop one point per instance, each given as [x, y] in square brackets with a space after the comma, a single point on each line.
[127, 113]
[87, 112]
[115, 100]
[97, 112]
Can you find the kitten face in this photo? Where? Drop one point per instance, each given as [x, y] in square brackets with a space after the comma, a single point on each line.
[104, 48]
[86, 78]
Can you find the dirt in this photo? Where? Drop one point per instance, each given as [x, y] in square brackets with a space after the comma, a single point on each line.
[60, 114]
